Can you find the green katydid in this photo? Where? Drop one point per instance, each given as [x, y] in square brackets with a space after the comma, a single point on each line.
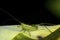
[28, 28]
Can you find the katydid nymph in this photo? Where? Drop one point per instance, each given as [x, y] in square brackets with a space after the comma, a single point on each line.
[28, 28]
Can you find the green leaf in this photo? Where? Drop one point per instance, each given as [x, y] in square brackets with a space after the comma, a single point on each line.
[10, 32]
[53, 36]
[21, 36]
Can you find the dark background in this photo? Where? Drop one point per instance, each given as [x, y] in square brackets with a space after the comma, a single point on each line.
[31, 12]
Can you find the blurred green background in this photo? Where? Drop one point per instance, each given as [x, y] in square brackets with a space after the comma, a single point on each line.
[54, 7]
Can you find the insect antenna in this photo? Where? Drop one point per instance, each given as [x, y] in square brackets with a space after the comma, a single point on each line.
[16, 18]
[48, 29]
[10, 15]
[45, 25]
